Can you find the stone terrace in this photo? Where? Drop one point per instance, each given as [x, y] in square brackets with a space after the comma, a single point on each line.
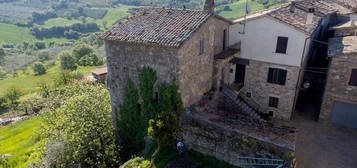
[276, 134]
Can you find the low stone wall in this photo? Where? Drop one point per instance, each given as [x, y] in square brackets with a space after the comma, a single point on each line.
[227, 144]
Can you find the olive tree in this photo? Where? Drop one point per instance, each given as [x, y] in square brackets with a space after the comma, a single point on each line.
[68, 62]
[39, 69]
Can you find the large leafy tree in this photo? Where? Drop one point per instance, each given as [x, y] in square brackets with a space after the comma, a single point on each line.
[82, 126]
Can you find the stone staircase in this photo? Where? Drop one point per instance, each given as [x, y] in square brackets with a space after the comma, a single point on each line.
[242, 106]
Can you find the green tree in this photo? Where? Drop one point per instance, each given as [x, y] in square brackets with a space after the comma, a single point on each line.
[82, 125]
[38, 68]
[131, 132]
[81, 50]
[90, 60]
[147, 80]
[2, 56]
[12, 95]
[43, 56]
[164, 126]
[68, 62]
[65, 77]
[2, 73]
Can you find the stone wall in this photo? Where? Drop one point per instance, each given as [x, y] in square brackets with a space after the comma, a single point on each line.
[256, 77]
[195, 69]
[337, 87]
[218, 40]
[226, 144]
[192, 70]
[126, 59]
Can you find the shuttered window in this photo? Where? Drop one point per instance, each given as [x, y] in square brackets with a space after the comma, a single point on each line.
[202, 46]
[353, 80]
[277, 76]
[282, 45]
[273, 102]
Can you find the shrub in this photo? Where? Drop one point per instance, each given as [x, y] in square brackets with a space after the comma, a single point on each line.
[12, 95]
[90, 60]
[2, 56]
[43, 56]
[2, 73]
[137, 162]
[68, 62]
[84, 126]
[38, 68]
[31, 103]
[81, 50]
[65, 77]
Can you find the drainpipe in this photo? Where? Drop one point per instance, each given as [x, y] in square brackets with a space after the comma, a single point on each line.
[299, 76]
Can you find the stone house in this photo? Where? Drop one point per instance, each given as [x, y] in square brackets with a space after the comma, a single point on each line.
[275, 47]
[176, 43]
[340, 97]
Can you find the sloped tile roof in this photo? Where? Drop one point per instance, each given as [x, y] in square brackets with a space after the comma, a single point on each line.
[348, 3]
[342, 46]
[297, 19]
[161, 26]
[323, 7]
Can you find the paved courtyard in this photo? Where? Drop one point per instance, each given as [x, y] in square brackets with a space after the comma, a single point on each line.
[322, 146]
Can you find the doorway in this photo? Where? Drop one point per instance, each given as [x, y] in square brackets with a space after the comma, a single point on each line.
[240, 74]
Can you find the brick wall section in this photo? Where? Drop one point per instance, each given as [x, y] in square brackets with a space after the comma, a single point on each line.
[337, 87]
[256, 83]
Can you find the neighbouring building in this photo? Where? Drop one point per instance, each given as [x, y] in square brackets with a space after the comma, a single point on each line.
[100, 74]
[275, 47]
[176, 43]
[340, 97]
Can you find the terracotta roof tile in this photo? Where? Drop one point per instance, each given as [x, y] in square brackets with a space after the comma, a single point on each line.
[297, 19]
[161, 26]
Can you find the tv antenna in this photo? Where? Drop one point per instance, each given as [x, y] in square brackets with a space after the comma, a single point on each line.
[247, 10]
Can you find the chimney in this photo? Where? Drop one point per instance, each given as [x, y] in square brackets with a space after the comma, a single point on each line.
[310, 16]
[209, 6]
[292, 7]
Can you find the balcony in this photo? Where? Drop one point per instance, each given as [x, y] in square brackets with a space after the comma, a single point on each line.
[229, 52]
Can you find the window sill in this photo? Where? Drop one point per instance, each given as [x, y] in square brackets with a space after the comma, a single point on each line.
[280, 53]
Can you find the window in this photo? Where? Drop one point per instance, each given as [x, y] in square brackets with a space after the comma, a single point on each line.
[224, 39]
[249, 94]
[202, 46]
[282, 45]
[273, 102]
[353, 80]
[277, 76]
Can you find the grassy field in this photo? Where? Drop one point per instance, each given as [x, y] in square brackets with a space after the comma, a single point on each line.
[238, 9]
[13, 34]
[19, 140]
[111, 17]
[29, 82]
[58, 22]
